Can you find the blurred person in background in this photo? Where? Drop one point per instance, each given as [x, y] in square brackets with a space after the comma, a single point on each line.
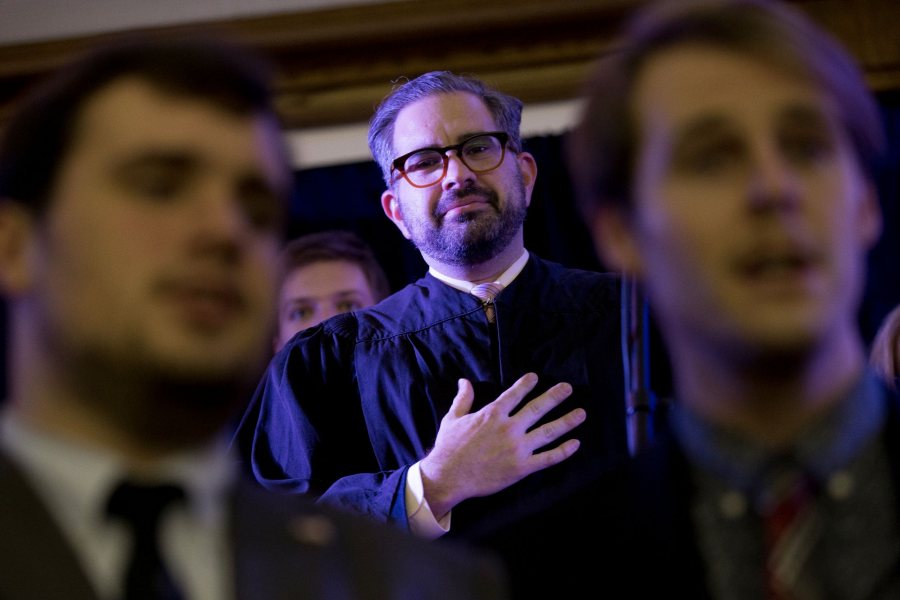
[325, 274]
[884, 354]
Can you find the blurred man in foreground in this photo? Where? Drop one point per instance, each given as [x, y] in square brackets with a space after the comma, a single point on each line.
[143, 193]
[725, 158]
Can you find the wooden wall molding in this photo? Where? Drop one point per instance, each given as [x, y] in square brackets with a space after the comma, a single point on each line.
[334, 65]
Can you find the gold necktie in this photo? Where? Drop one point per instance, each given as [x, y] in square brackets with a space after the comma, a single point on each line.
[486, 292]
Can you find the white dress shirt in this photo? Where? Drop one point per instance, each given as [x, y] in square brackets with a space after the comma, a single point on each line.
[75, 482]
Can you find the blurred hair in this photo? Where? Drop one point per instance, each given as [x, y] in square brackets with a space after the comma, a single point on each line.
[884, 355]
[506, 110]
[41, 132]
[602, 148]
[335, 245]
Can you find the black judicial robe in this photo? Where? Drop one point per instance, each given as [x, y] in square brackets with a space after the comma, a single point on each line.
[347, 406]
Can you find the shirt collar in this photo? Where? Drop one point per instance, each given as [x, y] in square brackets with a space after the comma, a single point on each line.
[504, 279]
[827, 445]
[75, 480]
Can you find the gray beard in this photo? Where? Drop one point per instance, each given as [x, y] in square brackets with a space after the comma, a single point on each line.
[473, 238]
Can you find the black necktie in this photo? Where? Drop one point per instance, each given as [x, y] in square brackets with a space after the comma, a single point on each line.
[140, 507]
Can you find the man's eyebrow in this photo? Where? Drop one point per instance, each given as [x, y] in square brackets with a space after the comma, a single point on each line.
[805, 114]
[459, 138]
[156, 158]
[700, 128]
[280, 187]
[469, 134]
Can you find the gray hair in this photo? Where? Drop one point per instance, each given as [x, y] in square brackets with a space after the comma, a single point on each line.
[506, 110]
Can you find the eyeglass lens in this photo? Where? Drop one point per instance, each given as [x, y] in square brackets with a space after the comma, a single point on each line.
[481, 153]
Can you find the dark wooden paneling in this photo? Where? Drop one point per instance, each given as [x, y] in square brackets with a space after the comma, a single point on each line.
[335, 65]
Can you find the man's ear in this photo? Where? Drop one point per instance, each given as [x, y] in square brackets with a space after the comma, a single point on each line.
[615, 240]
[391, 206]
[528, 169]
[871, 218]
[16, 229]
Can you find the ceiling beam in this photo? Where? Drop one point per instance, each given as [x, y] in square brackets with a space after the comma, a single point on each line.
[334, 65]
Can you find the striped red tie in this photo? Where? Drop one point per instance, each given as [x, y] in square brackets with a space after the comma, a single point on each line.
[486, 292]
[790, 527]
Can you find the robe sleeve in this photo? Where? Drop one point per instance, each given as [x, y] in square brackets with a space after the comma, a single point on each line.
[304, 430]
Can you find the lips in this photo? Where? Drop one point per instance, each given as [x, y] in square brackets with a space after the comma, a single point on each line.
[786, 261]
[205, 304]
[456, 206]
[454, 201]
[776, 265]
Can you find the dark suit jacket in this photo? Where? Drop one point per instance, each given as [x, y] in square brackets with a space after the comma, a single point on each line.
[630, 534]
[286, 547]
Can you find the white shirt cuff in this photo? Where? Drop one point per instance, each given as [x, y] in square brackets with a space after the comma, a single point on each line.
[421, 520]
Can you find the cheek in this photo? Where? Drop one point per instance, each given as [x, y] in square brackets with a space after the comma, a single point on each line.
[843, 213]
[288, 327]
[667, 217]
[679, 242]
[83, 251]
[513, 180]
[88, 290]
[862, 209]
[688, 210]
[261, 274]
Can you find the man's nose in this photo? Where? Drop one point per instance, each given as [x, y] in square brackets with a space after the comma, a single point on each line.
[774, 182]
[221, 209]
[458, 173]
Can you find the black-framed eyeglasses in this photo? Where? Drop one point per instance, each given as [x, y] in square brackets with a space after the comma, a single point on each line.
[481, 153]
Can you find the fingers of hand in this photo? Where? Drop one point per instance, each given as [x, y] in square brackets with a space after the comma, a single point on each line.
[509, 399]
[462, 402]
[535, 410]
[553, 430]
[554, 456]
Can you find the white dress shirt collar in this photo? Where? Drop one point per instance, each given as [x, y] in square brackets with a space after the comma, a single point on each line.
[504, 279]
